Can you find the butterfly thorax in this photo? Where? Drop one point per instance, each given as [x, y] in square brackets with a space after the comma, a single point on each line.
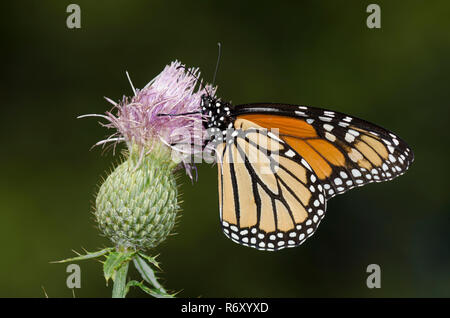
[217, 114]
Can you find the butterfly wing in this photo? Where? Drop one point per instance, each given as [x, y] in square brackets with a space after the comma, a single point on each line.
[270, 198]
[344, 151]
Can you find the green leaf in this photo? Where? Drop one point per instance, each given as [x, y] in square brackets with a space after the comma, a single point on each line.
[147, 273]
[88, 255]
[152, 292]
[113, 262]
[151, 260]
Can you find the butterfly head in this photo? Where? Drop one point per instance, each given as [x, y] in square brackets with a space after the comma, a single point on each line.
[217, 113]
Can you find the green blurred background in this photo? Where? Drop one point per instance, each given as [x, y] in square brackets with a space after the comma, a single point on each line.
[317, 53]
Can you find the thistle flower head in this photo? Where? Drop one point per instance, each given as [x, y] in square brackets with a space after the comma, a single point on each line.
[166, 110]
[137, 204]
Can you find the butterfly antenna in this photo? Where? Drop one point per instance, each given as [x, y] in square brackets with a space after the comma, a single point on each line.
[182, 114]
[217, 63]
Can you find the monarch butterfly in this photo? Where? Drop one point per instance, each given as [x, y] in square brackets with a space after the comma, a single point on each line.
[319, 153]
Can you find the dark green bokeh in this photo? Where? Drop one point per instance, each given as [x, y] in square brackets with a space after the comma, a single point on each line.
[317, 53]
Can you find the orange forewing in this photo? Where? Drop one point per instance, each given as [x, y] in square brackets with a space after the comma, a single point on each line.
[303, 138]
[286, 125]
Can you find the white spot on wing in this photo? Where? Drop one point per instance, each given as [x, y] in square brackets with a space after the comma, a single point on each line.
[347, 119]
[353, 132]
[322, 118]
[306, 164]
[349, 137]
[330, 137]
[273, 136]
[290, 153]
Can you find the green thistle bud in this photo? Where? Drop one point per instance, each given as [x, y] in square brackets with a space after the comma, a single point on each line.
[137, 204]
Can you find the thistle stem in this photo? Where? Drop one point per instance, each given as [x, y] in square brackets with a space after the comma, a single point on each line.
[120, 282]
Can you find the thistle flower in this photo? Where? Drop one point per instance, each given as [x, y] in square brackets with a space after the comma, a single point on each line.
[137, 204]
[166, 110]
